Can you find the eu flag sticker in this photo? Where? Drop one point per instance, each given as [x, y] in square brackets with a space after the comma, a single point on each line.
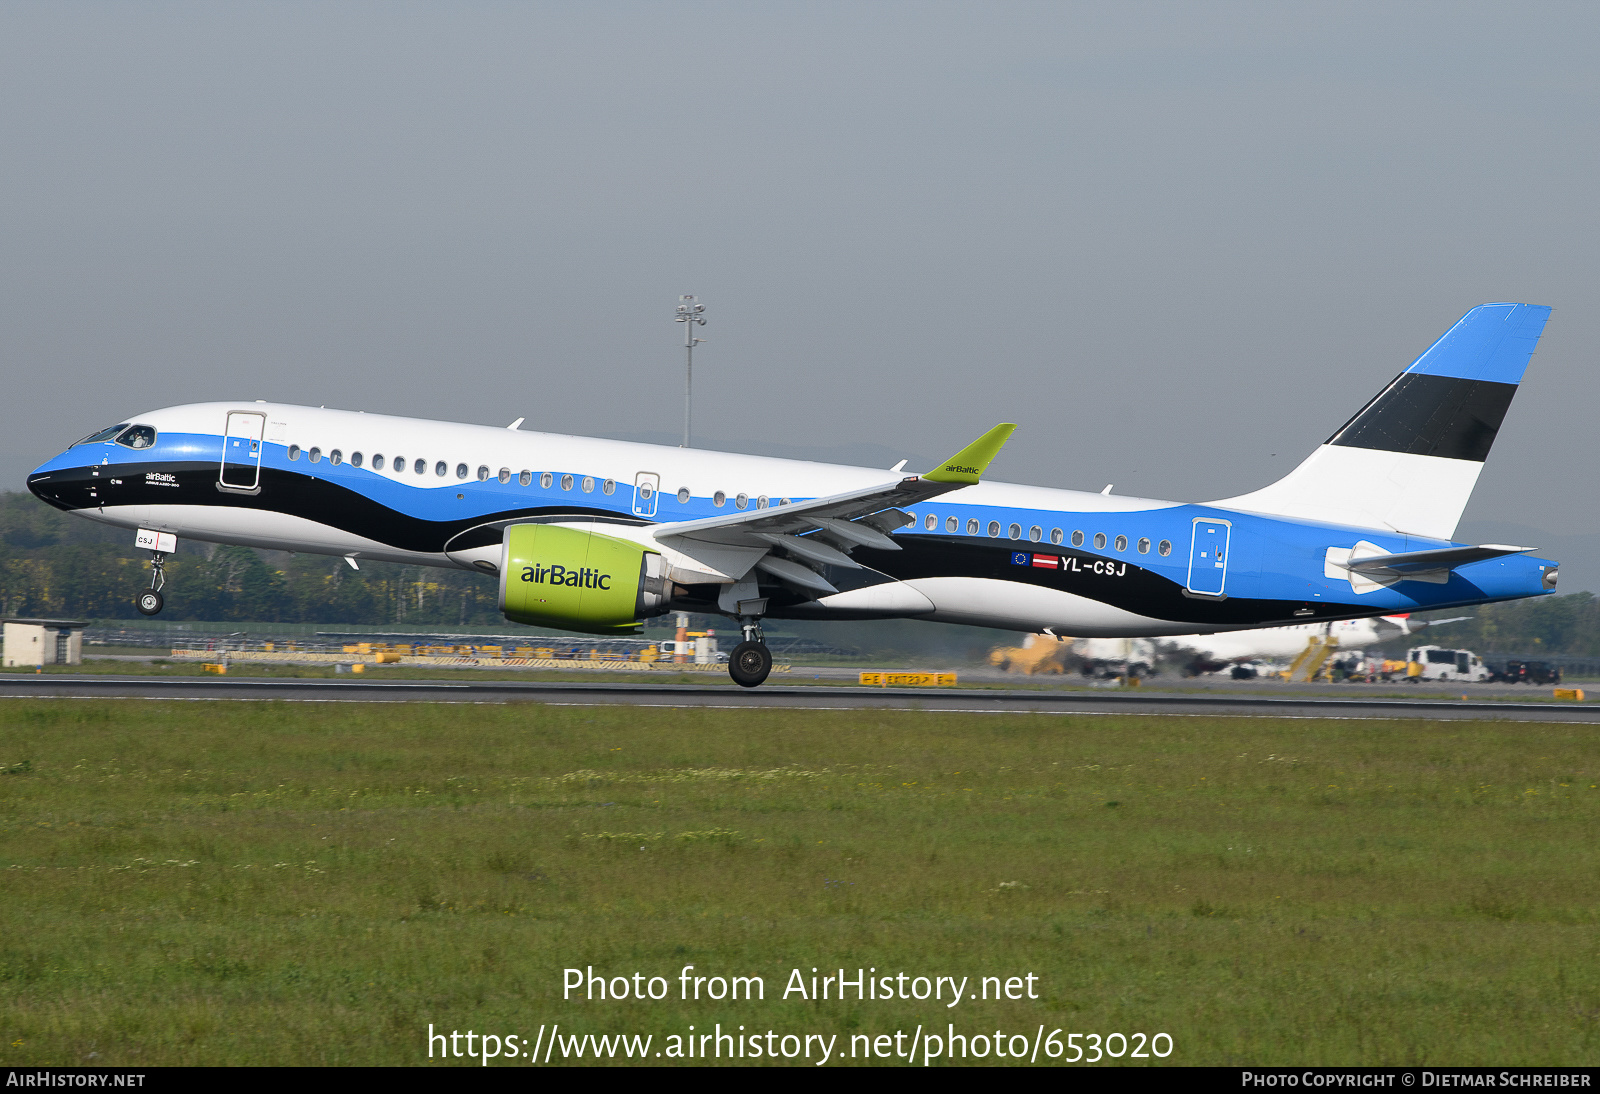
[1019, 558]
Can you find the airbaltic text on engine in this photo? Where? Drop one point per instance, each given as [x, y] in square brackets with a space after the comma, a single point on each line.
[559, 575]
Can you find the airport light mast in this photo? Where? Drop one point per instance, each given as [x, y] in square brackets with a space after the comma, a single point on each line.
[690, 312]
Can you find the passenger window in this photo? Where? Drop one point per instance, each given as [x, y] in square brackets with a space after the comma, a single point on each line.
[526, 479]
[719, 499]
[1099, 541]
[1016, 531]
[315, 454]
[742, 501]
[441, 467]
[140, 436]
[930, 522]
[761, 502]
[1077, 539]
[566, 482]
[336, 457]
[1122, 543]
[1164, 548]
[609, 487]
[399, 465]
[783, 501]
[420, 467]
[1036, 533]
[355, 459]
[683, 495]
[972, 526]
[994, 529]
[461, 470]
[1055, 535]
[377, 462]
[952, 524]
[505, 474]
[294, 452]
[1144, 546]
[588, 484]
[483, 473]
[545, 480]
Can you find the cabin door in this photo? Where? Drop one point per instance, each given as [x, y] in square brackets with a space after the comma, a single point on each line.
[241, 452]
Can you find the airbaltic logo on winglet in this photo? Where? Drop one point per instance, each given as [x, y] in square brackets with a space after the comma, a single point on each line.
[955, 470]
[584, 578]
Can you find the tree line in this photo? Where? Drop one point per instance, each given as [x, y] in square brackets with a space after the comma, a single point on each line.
[56, 564]
[1564, 625]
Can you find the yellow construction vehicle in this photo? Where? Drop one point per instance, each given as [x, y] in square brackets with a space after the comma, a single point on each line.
[1039, 653]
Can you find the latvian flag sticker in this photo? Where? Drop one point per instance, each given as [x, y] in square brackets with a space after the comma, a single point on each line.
[1047, 562]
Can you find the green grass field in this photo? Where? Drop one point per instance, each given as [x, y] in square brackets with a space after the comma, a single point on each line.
[293, 883]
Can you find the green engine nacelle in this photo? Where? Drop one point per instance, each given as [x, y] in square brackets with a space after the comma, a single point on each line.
[579, 581]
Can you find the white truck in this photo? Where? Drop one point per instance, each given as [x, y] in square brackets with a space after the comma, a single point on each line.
[1438, 663]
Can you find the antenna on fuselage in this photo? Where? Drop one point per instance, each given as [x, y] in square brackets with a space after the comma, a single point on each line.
[690, 312]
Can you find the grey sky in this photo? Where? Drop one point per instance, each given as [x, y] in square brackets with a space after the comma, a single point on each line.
[1178, 244]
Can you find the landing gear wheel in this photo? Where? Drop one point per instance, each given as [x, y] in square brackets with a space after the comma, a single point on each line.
[750, 664]
[149, 602]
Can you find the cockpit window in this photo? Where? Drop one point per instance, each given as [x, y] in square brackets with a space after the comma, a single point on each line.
[140, 436]
[103, 435]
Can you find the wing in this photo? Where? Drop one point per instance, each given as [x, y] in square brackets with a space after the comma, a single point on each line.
[790, 541]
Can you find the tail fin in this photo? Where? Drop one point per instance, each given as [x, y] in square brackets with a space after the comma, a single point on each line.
[1409, 460]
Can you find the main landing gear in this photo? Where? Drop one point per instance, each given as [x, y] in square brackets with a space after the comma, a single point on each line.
[149, 602]
[750, 663]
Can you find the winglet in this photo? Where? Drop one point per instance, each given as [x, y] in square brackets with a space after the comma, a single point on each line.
[965, 466]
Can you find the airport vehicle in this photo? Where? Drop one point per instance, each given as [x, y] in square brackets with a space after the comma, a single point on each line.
[1113, 657]
[1527, 672]
[595, 535]
[1102, 657]
[1438, 663]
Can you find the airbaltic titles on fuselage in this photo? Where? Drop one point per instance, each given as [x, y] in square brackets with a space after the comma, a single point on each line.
[555, 574]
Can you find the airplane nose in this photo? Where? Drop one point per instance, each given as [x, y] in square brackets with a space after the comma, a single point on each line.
[64, 487]
[48, 489]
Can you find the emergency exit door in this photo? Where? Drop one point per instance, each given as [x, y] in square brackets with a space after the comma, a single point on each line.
[646, 487]
[1208, 557]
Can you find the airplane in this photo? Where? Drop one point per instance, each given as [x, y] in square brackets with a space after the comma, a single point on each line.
[597, 535]
[1216, 650]
[1282, 643]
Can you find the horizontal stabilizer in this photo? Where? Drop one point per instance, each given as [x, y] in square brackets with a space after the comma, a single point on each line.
[1369, 567]
[1412, 563]
[1422, 624]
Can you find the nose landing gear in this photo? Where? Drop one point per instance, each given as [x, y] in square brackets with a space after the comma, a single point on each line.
[150, 601]
[750, 663]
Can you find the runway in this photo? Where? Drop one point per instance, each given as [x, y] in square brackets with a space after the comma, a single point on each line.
[781, 696]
